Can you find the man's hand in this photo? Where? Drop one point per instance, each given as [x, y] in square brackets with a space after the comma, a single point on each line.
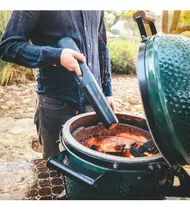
[111, 102]
[69, 59]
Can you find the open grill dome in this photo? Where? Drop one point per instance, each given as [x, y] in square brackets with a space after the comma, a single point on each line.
[163, 69]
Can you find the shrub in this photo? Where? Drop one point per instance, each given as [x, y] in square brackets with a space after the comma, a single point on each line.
[14, 74]
[2, 64]
[4, 18]
[123, 56]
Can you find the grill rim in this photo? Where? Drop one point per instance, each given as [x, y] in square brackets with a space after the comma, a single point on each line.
[69, 142]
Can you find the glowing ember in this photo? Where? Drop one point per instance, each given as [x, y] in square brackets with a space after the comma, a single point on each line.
[123, 144]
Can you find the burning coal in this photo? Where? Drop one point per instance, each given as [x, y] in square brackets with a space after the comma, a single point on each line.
[123, 144]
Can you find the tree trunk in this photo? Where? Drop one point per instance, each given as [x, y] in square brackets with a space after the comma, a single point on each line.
[165, 21]
[175, 20]
[182, 29]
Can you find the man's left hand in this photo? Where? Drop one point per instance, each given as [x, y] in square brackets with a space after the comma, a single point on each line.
[111, 102]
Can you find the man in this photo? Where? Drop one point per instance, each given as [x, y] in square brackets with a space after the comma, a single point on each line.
[59, 96]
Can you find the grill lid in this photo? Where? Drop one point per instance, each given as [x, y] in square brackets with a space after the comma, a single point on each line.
[163, 70]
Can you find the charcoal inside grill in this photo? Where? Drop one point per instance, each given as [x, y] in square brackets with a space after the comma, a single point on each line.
[117, 153]
[94, 147]
[134, 150]
[147, 147]
[119, 149]
[121, 146]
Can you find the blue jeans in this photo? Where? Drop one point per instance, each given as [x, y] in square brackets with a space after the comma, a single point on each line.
[50, 115]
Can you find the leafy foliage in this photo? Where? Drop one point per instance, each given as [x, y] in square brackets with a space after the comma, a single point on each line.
[14, 74]
[114, 16]
[2, 64]
[123, 56]
[185, 17]
[4, 18]
[180, 22]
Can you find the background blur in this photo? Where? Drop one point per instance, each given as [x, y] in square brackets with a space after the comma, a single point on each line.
[123, 41]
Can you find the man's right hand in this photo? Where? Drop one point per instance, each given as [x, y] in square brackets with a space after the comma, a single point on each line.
[69, 59]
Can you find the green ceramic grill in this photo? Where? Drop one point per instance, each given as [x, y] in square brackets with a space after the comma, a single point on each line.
[163, 69]
[93, 175]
